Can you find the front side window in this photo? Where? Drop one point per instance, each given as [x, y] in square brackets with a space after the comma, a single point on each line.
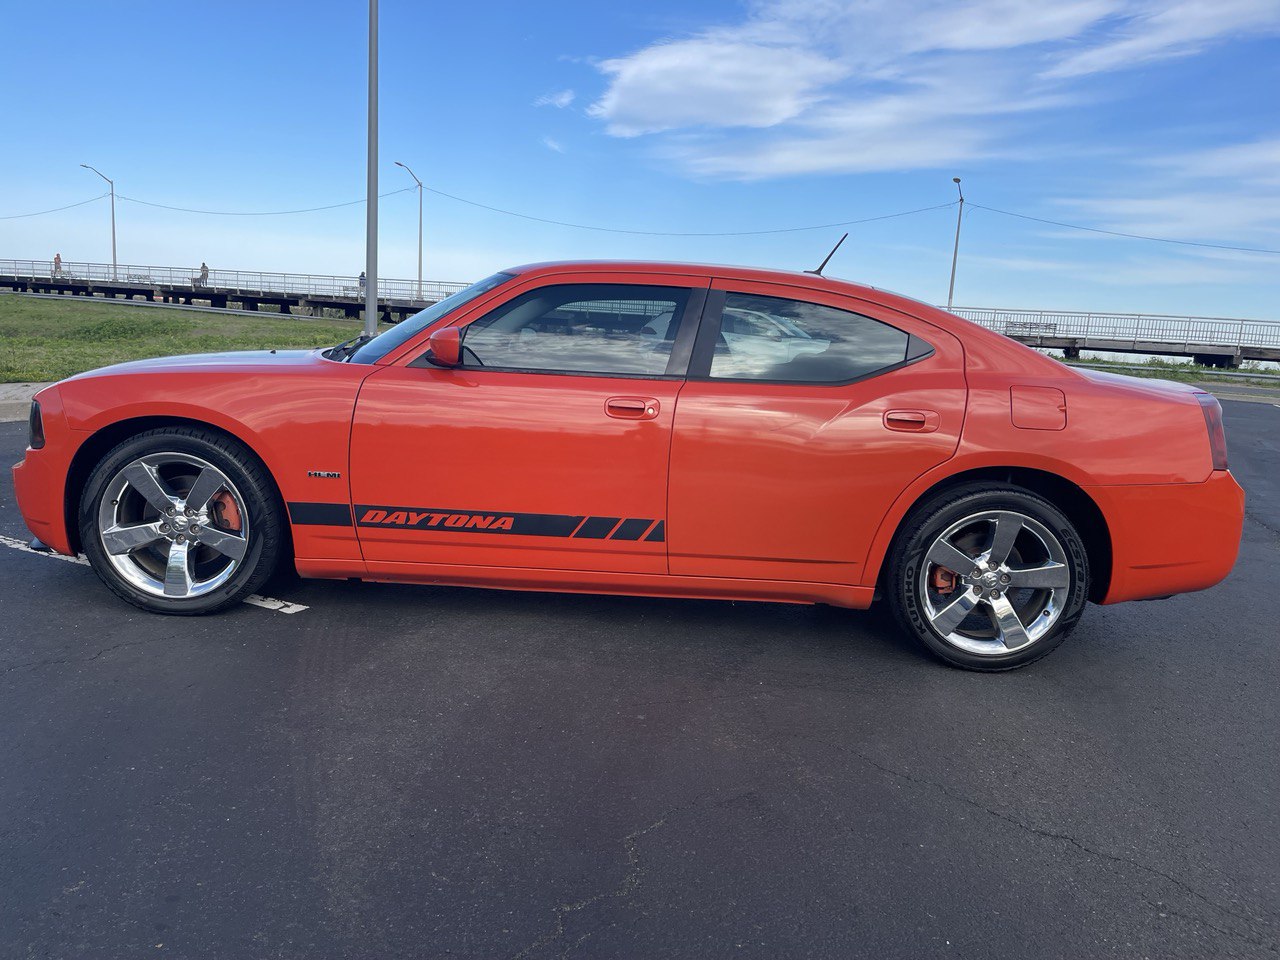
[771, 338]
[602, 328]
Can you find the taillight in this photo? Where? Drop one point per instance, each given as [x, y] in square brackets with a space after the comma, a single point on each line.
[1217, 435]
[35, 427]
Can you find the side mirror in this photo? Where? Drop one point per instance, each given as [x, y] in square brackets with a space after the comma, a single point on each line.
[446, 347]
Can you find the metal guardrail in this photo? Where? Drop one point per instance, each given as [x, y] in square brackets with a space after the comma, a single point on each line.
[232, 281]
[1135, 328]
[1155, 372]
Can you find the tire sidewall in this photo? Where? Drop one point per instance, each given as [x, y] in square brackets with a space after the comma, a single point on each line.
[928, 523]
[262, 518]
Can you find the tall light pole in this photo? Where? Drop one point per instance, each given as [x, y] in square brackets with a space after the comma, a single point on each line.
[112, 184]
[419, 183]
[955, 253]
[371, 205]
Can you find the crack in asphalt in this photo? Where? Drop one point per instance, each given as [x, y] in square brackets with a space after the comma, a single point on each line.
[628, 884]
[37, 664]
[1274, 531]
[1252, 937]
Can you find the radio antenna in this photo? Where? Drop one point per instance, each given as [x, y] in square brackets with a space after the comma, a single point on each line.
[823, 265]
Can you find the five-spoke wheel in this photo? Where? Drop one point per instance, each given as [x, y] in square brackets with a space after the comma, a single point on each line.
[180, 521]
[989, 577]
[994, 582]
[173, 525]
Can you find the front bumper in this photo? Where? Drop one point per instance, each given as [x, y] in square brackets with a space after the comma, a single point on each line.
[39, 481]
[1173, 537]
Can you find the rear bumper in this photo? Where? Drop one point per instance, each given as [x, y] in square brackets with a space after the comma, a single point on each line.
[1171, 538]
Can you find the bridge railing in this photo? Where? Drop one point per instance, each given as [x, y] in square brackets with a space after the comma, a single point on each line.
[1133, 328]
[230, 281]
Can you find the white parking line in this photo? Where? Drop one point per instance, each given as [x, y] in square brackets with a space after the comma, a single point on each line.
[266, 603]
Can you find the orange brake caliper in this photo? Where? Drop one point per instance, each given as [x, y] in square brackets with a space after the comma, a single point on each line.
[944, 580]
[225, 512]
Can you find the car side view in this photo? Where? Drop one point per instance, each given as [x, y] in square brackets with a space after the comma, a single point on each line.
[651, 429]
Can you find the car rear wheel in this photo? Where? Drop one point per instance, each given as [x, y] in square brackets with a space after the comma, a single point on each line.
[181, 521]
[988, 578]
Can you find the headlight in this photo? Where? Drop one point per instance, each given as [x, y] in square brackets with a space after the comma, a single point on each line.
[35, 427]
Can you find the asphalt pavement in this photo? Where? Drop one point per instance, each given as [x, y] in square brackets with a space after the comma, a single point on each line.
[407, 771]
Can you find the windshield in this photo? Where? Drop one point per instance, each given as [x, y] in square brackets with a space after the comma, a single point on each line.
[384, 343]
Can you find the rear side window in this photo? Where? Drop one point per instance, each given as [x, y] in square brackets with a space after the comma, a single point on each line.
[771, 338]
[601, 328]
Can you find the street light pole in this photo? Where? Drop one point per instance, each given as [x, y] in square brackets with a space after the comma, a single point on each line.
[955, 253]
[371, 206]
[111, 183]
[419, 183]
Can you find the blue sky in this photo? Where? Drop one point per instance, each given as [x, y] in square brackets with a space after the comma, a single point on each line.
[1127, 115]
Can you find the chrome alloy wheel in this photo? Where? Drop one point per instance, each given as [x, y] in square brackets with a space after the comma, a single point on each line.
[994, 582]
[173, 525]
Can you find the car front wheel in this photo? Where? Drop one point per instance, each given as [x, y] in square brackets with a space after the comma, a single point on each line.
[180, 521]
[989, 578]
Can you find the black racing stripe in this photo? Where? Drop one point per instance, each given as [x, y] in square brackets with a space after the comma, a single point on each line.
[632, 529]
[658, 534]
[320, 514]
[466, 521]
[597, 528]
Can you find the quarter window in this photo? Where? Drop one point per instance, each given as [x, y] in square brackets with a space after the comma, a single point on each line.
[771, 338]
[609, 329]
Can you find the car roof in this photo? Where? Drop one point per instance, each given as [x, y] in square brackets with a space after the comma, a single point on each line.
[684, 269]
[729, 272]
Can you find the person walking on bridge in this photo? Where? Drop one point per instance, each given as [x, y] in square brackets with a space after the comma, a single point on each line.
[204, 274]
[57, 264]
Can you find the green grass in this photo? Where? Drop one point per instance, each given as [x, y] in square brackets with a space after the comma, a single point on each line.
[50, 339]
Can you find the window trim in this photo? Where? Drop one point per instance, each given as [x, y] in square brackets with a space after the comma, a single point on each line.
[690, 321]
[709, 333]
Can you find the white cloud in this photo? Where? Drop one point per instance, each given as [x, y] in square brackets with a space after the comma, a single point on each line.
[710, 81]
[829, 86]
[551, 144]
[1156, 31]
[560, 99]
[1228, 194]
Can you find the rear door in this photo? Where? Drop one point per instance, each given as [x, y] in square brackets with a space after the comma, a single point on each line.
[549, 448]
[806, 413]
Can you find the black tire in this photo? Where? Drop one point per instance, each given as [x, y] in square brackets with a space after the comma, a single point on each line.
[266, 541]
[910, 582]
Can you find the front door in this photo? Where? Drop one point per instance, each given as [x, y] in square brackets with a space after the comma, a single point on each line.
[548, 448]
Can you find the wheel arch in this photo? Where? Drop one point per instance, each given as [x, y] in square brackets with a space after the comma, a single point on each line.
[1065, 494]
[96, 446]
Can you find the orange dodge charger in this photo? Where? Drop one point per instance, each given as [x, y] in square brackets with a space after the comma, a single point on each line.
[655, 429]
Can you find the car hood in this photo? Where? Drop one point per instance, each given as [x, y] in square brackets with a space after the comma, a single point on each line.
[229, 361]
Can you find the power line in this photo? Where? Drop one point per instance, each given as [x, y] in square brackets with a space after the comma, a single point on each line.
[259, 213]
[662, 233]
[1129, 236]
[659, 233]
[41, 213]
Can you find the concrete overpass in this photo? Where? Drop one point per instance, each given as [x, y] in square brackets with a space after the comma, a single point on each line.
[300, 293]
